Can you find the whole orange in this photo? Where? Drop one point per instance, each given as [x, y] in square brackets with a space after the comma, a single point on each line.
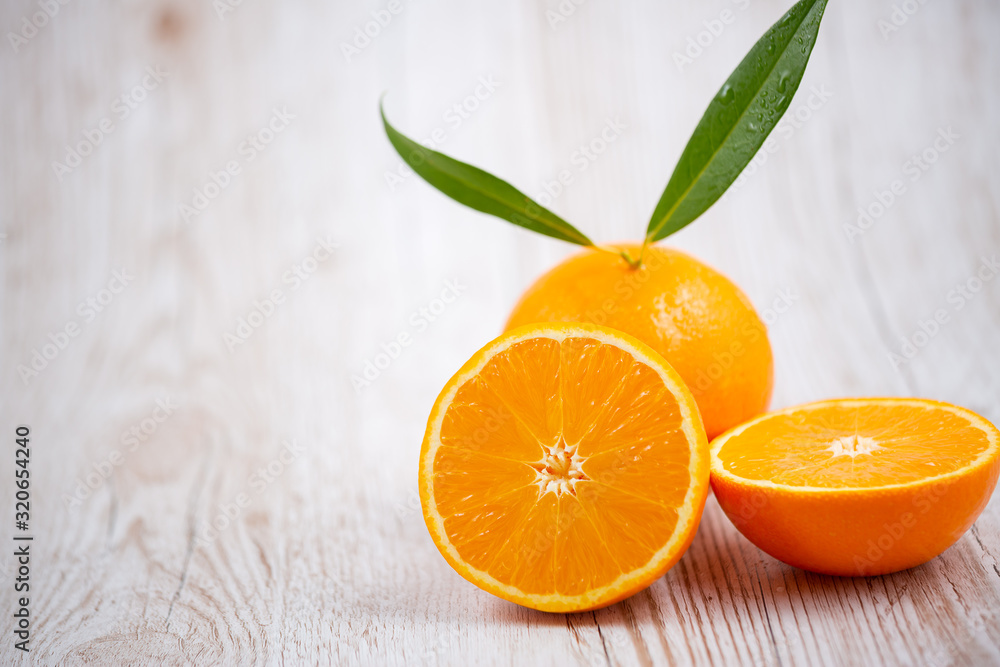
[694, 316]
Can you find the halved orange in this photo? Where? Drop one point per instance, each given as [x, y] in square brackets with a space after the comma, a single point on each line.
[857, 487]
[565, 467]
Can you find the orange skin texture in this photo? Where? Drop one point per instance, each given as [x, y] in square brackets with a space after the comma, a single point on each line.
[694, 316]
[855, 534]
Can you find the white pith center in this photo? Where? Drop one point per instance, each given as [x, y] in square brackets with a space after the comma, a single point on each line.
[559, 470]
[853, 445]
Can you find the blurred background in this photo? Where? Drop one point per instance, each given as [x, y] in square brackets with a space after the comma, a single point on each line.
[207, 242]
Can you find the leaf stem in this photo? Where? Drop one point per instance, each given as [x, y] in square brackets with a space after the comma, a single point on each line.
[632, 263]
[625, 255]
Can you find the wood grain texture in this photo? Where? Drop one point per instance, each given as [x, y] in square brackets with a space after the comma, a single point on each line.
[327, 561]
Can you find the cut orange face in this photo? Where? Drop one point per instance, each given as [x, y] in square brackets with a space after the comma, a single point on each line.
[857, 486]
[564, 467]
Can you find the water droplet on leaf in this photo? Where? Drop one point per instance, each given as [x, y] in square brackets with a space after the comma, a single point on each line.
[783, 80]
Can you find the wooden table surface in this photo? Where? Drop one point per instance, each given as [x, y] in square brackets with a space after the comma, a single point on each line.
[204, 236]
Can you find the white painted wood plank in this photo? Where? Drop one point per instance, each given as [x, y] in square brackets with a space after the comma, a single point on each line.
[330, 562]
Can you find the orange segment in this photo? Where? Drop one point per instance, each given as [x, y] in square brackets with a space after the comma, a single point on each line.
[857, 486]
[534, 396]
[585, 561]
[564, 467]
[640, 468]
[477, 417]
[628, 524]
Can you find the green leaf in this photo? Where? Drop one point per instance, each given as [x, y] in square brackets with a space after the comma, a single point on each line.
[738, 119]
[479, 190]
